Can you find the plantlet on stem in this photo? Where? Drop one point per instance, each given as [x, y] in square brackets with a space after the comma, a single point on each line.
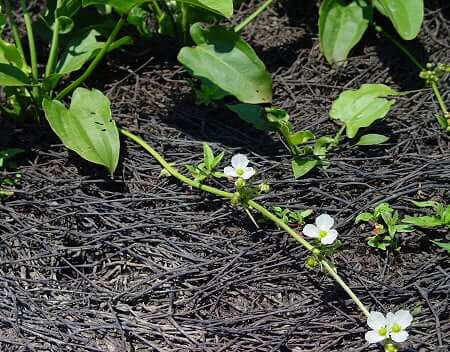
[387, 226]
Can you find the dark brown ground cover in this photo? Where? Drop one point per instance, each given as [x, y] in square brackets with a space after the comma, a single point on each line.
[142, 263]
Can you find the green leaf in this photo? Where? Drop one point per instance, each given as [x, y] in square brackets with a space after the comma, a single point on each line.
[362, 107]
[11, 76]
[208, 156]
[405, 15]
[301, 137]
[443, 245]
[427, 222]
[221, 7]
[86, 127]
[372, 139]
[341, 26]
[301, 167]
[277, 116]
[321, 146]
[139, 17]
[82, 49]
[226, 60]
[426, 204]
[252, 114]
[121, 6]
[364, 217]
[10, 55]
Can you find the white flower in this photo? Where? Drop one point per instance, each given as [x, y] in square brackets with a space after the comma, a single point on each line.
[378, 323]
[397, 324]
[392, 326]
[239, 167]
[322, 229]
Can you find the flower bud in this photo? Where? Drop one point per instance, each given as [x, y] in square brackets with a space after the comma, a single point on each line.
[264, 187]
[236, 199]
[391, 348]
[311, 262]
[240, 182]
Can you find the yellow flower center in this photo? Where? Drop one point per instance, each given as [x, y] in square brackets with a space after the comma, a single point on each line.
[396, 328]
[382, 332]
[240, 171]
[323, 233]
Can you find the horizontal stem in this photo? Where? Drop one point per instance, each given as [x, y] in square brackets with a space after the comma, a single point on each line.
[252, 204]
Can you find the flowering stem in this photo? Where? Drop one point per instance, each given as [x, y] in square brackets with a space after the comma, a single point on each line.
[434, 85]
[252, 204]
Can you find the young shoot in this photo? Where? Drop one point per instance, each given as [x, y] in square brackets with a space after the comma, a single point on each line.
[387, 226]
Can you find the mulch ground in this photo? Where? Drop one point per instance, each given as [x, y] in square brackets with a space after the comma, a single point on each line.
[143, 263]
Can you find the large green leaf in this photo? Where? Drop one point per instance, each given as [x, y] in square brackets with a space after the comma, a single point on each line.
[14, 72]
[11, 76]
[86, 127]
[222, 7]
[223, 58]
[362, 107]
[341, 26]
[78, 51]
[405, 15]
[121, 6]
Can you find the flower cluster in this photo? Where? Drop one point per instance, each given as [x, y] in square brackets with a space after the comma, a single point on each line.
[391, 327]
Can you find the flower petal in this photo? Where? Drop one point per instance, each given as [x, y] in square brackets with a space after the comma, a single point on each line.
[390, 319]
[324, 222]
[249, 172]
[311, 230]
[376, 320]
[230, 171]
[239, 160]
[403, 318]
[373, 337]
[330, 238]
[399, 336]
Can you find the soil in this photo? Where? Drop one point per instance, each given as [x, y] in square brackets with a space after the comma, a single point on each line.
[143, 263]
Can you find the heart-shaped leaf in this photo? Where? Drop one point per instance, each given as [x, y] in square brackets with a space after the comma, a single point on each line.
[226, 60]
[362, 107]
[405, 15]
[341, 26]
[372, 139]
[86, 127]
[301, 166]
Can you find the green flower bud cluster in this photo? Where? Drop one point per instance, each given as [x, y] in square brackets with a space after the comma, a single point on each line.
[433, 73]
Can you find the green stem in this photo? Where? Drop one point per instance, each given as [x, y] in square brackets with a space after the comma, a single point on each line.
[54, 47]
[80, 80]
[14, 29]
[337, 138]
[439, 98]
[174, 172]
[185, 22]
[399, 45]
[251, 203]
[32, 45]
[241, 26]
